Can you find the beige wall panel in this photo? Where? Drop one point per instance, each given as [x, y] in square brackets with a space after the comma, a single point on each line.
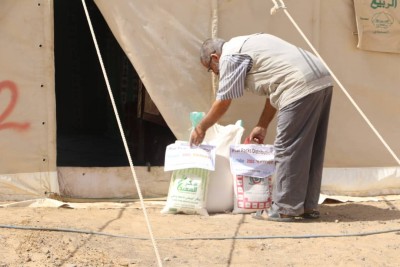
[372, 80]
[110, 183]
[27, 107]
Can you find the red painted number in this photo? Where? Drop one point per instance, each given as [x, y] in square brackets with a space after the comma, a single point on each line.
[11, 105]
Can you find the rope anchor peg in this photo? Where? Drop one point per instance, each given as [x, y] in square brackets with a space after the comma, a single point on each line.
[277, 6]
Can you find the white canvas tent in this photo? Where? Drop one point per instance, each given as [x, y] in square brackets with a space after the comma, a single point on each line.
[164, 52]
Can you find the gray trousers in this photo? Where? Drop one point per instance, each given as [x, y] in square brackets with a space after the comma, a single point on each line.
[300, 147]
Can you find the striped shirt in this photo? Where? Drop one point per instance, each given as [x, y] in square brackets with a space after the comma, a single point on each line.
[232, 75]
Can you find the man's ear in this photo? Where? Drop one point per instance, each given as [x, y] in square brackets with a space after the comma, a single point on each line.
[215, 56]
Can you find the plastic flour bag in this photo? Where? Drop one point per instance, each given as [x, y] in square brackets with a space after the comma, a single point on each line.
[253, 166]
[189, 182]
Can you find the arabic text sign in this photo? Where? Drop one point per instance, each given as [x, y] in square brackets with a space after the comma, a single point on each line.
[252, 160]
[378, 25]
[383, 4]
[180, 156]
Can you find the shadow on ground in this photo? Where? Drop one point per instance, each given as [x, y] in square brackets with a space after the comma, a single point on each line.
[348, 212]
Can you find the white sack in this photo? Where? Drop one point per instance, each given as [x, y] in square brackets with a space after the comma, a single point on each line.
[220, 187]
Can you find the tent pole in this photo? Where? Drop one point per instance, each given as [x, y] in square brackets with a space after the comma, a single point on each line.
[214, 34]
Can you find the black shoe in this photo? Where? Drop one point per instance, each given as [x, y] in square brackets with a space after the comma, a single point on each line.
[314, 214]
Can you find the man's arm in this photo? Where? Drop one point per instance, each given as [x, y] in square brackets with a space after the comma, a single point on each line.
[232, 75]
[216, 111]
[260, 130]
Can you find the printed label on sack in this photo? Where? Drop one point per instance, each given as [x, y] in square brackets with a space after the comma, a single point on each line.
[252, 160]
[180, 156]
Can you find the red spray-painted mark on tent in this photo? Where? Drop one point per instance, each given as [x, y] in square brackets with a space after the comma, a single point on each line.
[11, 105]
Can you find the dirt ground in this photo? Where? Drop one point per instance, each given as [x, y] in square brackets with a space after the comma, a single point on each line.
[348, 234]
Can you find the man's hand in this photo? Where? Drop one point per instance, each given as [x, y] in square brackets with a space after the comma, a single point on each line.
[258, 134]
[218, 108]
[197, 136]
[260, 131]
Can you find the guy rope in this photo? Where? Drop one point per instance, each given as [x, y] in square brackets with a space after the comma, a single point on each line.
[281, 5]
[123, 136]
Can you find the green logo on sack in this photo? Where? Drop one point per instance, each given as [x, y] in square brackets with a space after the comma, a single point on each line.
[187, 185]
[382, 20]
[383, 4]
